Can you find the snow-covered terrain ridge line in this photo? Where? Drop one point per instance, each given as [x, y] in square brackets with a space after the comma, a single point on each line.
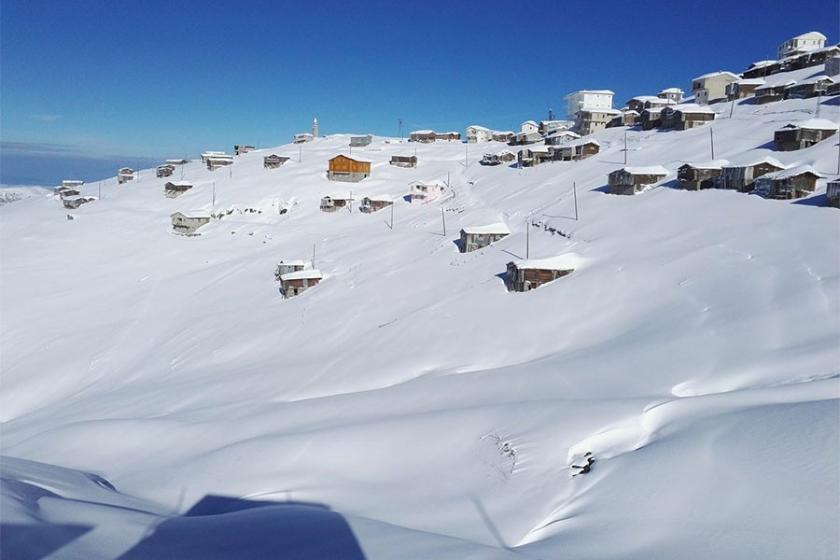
[693, 354]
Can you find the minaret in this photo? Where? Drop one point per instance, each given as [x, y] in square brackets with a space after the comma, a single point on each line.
[315, 130]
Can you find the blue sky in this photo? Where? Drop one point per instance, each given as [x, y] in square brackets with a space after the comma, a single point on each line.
[154, 79]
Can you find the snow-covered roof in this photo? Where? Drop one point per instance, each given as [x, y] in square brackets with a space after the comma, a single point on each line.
[630, 112]
[295, 262]
[379, 198]
[816, 124]
[693, 108]
[192, 214]
[478, 127]
[499, 228]
[604, 111]
[815, 79]
[671, 90]
[751, 81]
[763, 63]
[72, 183]
[80, 197]
[533, 123]
[811, 35]
[179, 183]
[338, 196]
[645, 98]
[775, 84]
[560, 262]
[595, 91]
[714, 164]
[653, 110]
[422, 132]
[219, 157]
[504, 153]
[176, 161]
[302, 275]
[125, 170]
[354, 158]
[538, 149]
[646, 170]
[745, 162]
[718, 73]
[794, 171]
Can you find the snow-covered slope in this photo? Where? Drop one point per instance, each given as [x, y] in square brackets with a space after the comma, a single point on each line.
[694, 353]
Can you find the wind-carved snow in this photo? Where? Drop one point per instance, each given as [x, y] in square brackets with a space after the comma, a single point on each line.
[693, 356]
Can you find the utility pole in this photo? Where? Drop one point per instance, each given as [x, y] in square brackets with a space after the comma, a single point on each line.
[625, 147]
[313, 255]
[712, 140]
[819, 98]
[447, 180]
[392, 214]
[300, 152]
[466, 154]
[528, 236]
[574, 191]
[443, 218]
[731, 108]
[214, 195]
[399, 128]
[838, 158]
[350, 203]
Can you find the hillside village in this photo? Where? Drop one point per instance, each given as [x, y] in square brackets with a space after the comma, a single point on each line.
[806, 69]
[621, 324]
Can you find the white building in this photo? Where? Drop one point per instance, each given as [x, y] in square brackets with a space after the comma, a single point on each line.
[476, 133]
[711, 87]
[588, 99]
[529, 126]
[805, 42]
[675, 94]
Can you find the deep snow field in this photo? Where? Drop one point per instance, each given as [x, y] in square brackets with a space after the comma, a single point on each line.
[694, 352]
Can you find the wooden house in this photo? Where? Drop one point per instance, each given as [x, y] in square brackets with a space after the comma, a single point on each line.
[549, 127]
[274, 161]
[525, 138]
[333, 203]
[642, 102]
[348, 169]
[590, 121]
[372, 204]
[561, 137]
[403, 161]
[360, 141]
[504, 156]
[534, 155]
[741, 177]
[422, 136]
[302, 137]
[240, 149]
[451, 136]
[419, 191]
[833, 89]
[174, 189]
[628, 117]
[770, 92]
[124, 175]
[810, 87]
[187, 224]
[287, 267]
[502, 135]
[477, 237]
[696, 176]
[745, 87]
[577, 150]
[630, 180]
[165, 170]
[832, 193]
[761, 69]
[73, 202]
[651, 118]
[688, 116]
[786, 184]
[525, 275]
[295, 283]
[210, 153]
[803, 134]
[215, 161]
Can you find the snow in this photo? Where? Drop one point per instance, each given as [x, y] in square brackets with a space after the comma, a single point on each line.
[302, 274]
[694, 355]
[815, 124]
[560, 262]
[499, 228]
[714, 164]
[646, 170]
[793, 171]
[716, 74]
[179, 183]
[693, 108]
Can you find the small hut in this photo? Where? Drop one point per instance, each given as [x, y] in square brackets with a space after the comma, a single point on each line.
[577, 150]
[696, 176]
[287, 267]
[187, 224]
[174, 189]
[240, 149]
[360, 141]
[803, 134]
[403, 161]
[810, 87]
[295, 283]
[745, 87]
[630, 180]
[303, 137]
[333, 203]
[504, 156]
[164, 170]
[525, 275]
[208, 154]
[478, 237]
[651, 118]
[451, 136]
[73, 202]
[348, 169]
[274, 161]
[418, 191]
[375, 203]
[832, 193]
[124, 175]
[794, 182]
[534, 155]
[740, 177]
[771, 92]
[215, 161]
[422, 136]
